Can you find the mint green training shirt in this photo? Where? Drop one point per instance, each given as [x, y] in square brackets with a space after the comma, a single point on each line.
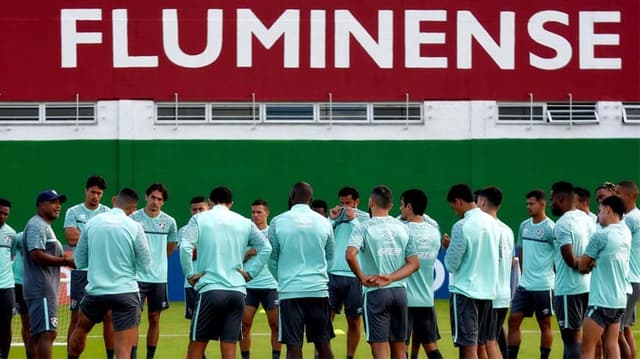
[573, 227]
[342, 229]
[265, 279]
[610, 247]
[303, 248]
[159, 231]
[503, 294]
[18, 261]
[537, 240]
[632, 220]
[114, 249]
[420, 283]
[473, 255]
[383, 245]
[78, 215]
[222, 237]
[7, 250]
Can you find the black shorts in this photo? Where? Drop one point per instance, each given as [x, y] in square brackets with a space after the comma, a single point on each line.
[498, 315]
[570, 310]
[190, 298]
[8, 304]
[386, 315]
[218, 316]
[267, 297]
[296, 314]
[21, 304]
[43, 315]
[155, 294]
[604, 317]
[125, 309]
[529, 301]
[78, 283]
[629, 317]
[470, 320]
[423, 325]
[345, 291]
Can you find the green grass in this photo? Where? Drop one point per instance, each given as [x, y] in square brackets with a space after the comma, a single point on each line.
[174, 330]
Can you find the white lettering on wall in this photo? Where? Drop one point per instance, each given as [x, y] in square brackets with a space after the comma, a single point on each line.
[318, 39]
[469, 28]
[121, 57]
[559, 44]
[414, 38]
[286, 26]
[381, 51]
[589, 40]
[171, 43]
[70, 37]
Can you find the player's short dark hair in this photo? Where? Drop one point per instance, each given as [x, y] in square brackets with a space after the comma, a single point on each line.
[260, 202]
[582, 193]
[609, 186]
[5, 203]
[97, 181]
[417, 198]
[629, 186]
[382, 196]
[301, 192]
[493, 195]
[537, 193]
[160, 188]
[349, 191]
[460, 191]
[128, 196]
[221, 195]
[198, 199]
[615, 203]
[562, 187]
[319, 203]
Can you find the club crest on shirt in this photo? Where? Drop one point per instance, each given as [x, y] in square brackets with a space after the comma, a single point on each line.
[6, 240]
[540, 232]
[162, 225]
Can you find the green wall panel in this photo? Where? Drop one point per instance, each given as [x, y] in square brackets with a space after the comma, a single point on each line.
[267, 169]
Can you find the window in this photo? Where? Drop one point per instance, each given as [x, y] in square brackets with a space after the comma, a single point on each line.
[186, 112]
[289, 113]
[343, 112]
[521, 112]
[572, 112]
[69, 113]
[19, 113]
[397, 113]
[235, 112]
[631, 112]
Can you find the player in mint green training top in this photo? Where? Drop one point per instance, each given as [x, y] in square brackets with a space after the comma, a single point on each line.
[571, 232]
[74, 222]
[423, 324]
[628, 191]
[489, 199]
[607, 258]
[382, 254]
[114, 249]
[7, 283]
[473, 252]
[535, 291]
[221, 237]
[162, 234]
[303, 248]
[262, 289]
[344, 288]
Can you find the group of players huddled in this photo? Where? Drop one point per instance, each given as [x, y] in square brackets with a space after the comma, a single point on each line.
[311, 261]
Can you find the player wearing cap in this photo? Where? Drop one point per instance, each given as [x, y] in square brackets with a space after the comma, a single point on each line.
[571, 232]
[113, 247]
[607, 258]
[162, 234]
[74, 222]
[7, 284]
[43, 258]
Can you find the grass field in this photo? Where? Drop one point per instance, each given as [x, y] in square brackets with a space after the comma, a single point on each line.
[174, 330]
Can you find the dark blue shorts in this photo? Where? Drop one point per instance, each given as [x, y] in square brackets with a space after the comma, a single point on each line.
[386, 315]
